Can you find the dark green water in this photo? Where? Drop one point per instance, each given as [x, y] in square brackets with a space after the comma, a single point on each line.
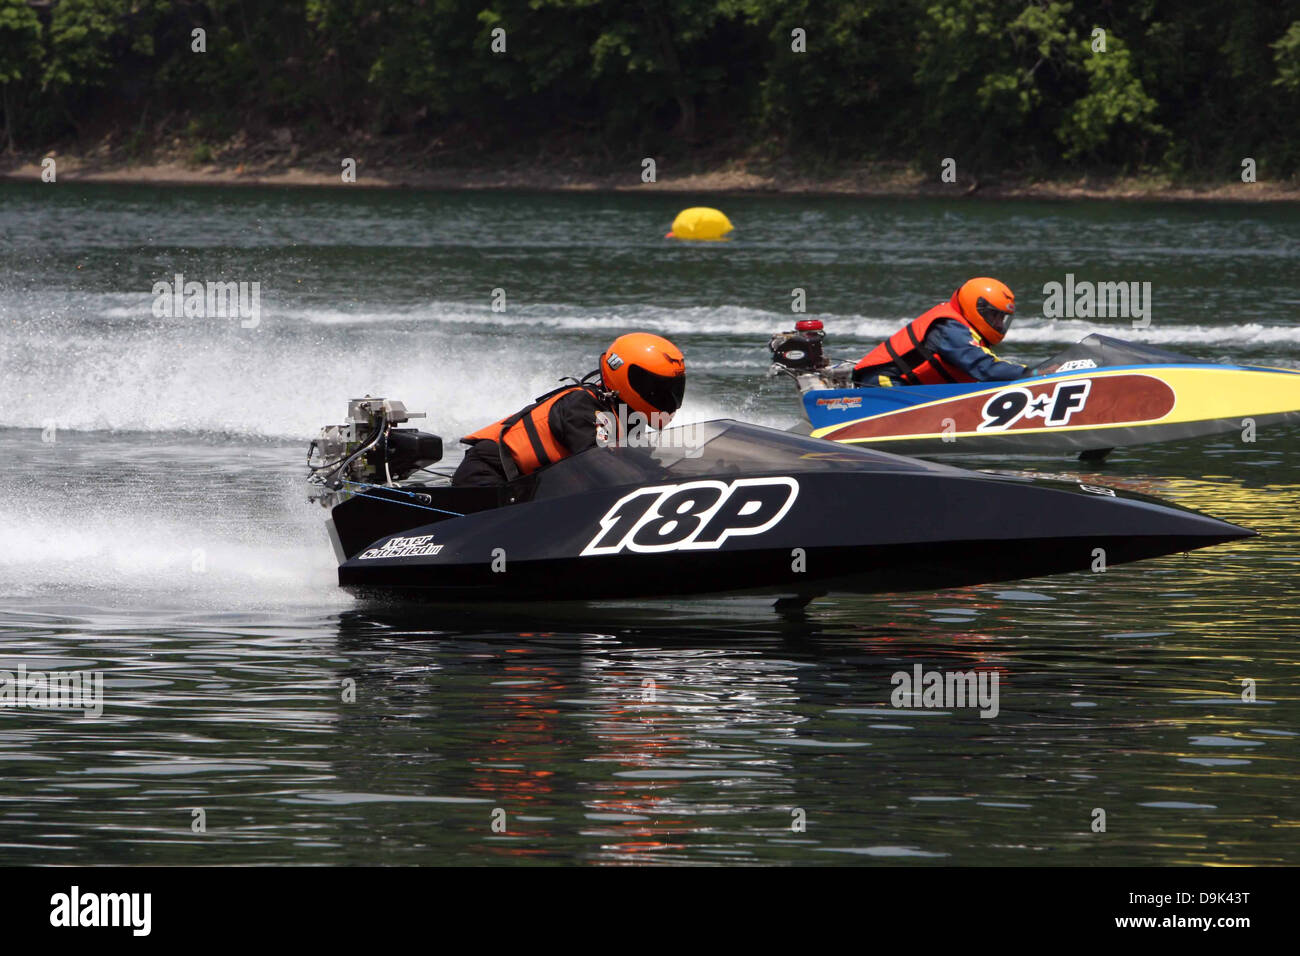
[162, 538]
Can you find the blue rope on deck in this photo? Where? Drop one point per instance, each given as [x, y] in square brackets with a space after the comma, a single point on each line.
[400, 491]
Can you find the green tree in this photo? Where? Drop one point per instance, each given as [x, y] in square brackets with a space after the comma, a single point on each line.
[993, 74]
[1286, 54]
[21, 52]
[1115, 106]
[1189, 85]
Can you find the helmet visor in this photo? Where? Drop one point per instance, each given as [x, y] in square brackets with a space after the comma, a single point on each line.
[663, 392]
[997, 320]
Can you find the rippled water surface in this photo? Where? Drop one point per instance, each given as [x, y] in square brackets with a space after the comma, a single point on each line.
[162, 538]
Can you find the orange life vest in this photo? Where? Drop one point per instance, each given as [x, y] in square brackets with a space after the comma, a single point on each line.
[904, 356]
[527, 433]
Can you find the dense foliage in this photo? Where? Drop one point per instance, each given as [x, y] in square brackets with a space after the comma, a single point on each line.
[1186, 86]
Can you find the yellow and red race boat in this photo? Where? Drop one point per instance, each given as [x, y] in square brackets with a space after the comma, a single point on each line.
[1099, 394]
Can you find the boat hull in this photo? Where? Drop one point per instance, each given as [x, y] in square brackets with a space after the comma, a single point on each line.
[907, 526]
[1065, 412]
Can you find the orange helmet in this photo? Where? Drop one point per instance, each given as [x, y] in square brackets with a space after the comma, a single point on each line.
[647, 372]
[988, 305]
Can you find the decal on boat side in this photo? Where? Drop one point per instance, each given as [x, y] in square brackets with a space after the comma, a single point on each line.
[841, 401]
[1075, 364]
[999, 409]
[402, 548]
[1010, 405]
[694, 515]
[1098, 489]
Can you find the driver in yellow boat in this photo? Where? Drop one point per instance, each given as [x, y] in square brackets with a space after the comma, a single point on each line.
[950, 343]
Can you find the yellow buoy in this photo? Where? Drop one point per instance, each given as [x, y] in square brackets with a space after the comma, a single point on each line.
[700, 222]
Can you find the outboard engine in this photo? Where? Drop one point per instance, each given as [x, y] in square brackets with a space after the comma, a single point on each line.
[368, 449]
[800, 350]
[799, 355]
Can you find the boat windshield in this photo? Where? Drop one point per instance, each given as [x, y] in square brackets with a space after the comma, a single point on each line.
[708, 449]
[1102, 351]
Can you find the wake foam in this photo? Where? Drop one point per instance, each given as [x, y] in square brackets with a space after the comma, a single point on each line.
[165, 553]
[103, 362]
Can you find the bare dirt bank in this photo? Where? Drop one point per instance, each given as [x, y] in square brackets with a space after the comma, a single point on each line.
[735, 177]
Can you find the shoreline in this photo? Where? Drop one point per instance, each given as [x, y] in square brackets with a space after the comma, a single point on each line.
[863, 182]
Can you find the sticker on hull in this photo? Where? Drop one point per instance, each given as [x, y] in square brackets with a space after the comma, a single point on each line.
[417, 546]
[1012, 405]
[694, 515]
[1073, 402]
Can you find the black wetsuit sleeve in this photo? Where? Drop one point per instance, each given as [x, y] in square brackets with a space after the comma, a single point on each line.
[573, 421]
[481, 466]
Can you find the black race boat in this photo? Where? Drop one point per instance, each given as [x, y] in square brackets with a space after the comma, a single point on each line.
[712, 508]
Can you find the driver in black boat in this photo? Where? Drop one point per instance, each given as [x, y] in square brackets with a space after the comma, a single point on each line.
[644, 372]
